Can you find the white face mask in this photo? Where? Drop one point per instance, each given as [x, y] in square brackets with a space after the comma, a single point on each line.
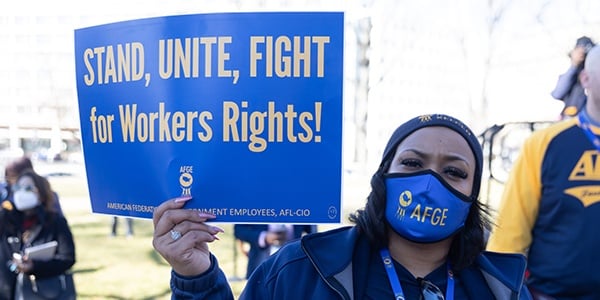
[25, 200]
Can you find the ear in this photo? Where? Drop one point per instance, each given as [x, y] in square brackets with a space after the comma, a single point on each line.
[584, 78]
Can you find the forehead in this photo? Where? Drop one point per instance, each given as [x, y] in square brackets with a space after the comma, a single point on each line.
[11, 172]
[438, 139]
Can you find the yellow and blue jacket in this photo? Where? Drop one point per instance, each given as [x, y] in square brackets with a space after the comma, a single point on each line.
[550, 211]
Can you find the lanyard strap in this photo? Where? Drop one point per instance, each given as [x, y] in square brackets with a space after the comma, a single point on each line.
[585, 125]
[395, 282]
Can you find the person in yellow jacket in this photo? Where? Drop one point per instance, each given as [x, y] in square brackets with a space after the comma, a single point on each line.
[550, 210]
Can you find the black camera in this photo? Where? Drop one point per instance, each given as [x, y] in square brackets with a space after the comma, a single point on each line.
[585, 42]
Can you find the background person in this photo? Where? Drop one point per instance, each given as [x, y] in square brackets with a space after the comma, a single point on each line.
[12, 171]
[114, 224]
[266, 239]
[568, 87]
[27, 220]
[550, 206]
[432, 163]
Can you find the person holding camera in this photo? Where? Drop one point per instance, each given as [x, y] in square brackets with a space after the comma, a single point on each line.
[568, 88]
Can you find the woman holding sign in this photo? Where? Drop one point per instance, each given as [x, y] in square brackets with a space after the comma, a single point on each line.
[419, 236]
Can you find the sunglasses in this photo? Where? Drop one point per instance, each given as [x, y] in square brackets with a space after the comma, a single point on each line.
[430, 291]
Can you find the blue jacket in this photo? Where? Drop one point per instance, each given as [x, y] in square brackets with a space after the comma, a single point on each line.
[320, 266]
[569, 90]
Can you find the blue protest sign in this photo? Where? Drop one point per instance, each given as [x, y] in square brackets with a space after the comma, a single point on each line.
[243, 111]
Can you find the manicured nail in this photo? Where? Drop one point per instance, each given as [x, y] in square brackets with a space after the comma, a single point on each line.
[207, 215]
[216, 237]
[218, 229]
[182, 199]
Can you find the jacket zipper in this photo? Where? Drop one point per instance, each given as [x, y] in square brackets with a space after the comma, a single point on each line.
[343, 293]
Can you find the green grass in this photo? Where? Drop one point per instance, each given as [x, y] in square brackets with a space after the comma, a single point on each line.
[120, 267]
[127, 268]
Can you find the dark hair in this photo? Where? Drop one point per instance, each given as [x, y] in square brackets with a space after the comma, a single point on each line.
[44, 189]
[467, 244]
[14, 168]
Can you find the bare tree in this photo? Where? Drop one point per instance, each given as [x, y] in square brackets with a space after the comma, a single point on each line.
[362, 30]
[496, 10]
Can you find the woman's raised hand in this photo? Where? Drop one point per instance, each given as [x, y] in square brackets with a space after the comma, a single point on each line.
[181, 236]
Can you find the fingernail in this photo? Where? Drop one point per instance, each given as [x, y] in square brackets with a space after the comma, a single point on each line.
[182, 199]
[216, 237]
[206, 215]
[218, 229]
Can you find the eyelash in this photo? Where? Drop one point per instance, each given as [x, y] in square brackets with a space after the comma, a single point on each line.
[452, 171]
[412, 163]
[456, 172]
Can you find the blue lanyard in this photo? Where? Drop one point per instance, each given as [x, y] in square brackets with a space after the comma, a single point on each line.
[395, 282]
[585, 125]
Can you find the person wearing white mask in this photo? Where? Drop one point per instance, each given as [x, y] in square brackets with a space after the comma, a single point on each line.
[29, 220]
[11, 173]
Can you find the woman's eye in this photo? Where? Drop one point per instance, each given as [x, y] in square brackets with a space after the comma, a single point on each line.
[412, 163]
[454, 172]
[27, 188]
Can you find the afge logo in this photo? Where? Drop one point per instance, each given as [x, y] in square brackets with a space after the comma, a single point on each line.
[421, 212]
[404, 201]
[185, 180]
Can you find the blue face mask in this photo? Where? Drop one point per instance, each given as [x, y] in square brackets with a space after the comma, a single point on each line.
[423, 208]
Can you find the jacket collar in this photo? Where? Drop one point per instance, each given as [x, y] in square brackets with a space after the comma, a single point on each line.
[331, 254]
[504, 272]
[331, 251]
